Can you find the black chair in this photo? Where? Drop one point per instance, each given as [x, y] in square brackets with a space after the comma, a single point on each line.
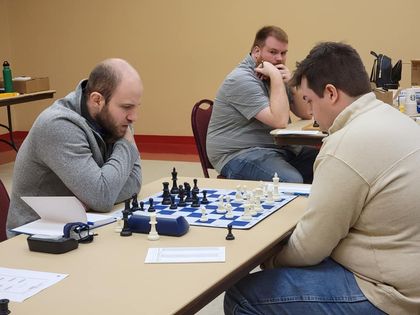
[4, 208]
[200, 118]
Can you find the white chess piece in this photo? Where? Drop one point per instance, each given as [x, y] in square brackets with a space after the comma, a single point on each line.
[246, 216]
[229, 214]
[238, 195]
[270, 199]
[153, 235]
[258, 208]
[276, 193]
[221, 205]
[119, 225]
[203, 214]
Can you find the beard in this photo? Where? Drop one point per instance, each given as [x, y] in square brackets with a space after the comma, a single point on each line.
[112, 132]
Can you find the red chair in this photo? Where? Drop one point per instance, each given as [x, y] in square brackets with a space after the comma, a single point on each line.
[200, 118]
[4, 208]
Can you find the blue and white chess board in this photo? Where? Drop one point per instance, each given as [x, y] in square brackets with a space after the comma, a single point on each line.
[193, 214]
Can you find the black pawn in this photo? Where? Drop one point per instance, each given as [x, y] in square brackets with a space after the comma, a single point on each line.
[141, 206]
[315, 124]
[205, 201]
[166, 194]
[126, 230]
[181, 202]
[4, 307]
[230, 236]
[187, 192]
[173, 204]
[151, 206]
[134, 204]
[195, 200]
[174, 189]
[195, 188]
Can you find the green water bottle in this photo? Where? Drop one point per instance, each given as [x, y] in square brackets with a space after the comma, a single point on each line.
[7, 77]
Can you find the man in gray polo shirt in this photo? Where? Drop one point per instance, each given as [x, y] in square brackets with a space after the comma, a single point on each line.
[251, 102]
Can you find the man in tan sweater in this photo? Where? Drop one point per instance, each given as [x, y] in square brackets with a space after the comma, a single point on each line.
[357, 248]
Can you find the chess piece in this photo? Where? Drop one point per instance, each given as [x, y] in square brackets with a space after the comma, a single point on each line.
[153, 234]
[205, 201]
[181, 202]
[173, 205]
[230, 236]
[238, 194]
[257, 205]
[141, 206]
[195, 187]
[4, 306]
[126, 230]
[174, 189]
[270, 198]
[246, 216]
[134, 204]
[229, 214]
[220, 205]
[119, 225]
[166, 194]
[188, 197]
[203, 217]
[151, 206]
[195, 199]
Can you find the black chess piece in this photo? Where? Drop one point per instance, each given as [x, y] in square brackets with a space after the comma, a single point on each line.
[174, 189]
[187, 187]
[134, 204]
[315, 124]
[195, 200]
[204, 200]
[166, 194]
[151, 206]
[230, 236]
[126, 230]
[173, 205]
[195, 187]
[181, 202]
[4, 307]
[141, 206]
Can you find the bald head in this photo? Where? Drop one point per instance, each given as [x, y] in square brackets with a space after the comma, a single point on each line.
[108, 75]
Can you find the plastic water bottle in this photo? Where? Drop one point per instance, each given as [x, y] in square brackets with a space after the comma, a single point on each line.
[7, 77]
[410, 102]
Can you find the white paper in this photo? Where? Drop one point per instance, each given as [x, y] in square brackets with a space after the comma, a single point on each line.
[185, 255]
[18, 284]
[297, 132]
[55, 212]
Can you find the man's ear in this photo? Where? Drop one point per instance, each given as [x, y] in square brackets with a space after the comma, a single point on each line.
[96, 99]
[331, 93]
[256, 51]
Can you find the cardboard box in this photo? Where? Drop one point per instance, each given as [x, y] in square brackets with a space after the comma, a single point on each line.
[415, 72]
[384, 96]
[30, 86]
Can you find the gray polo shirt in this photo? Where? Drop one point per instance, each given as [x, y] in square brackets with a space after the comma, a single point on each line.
[233, 128]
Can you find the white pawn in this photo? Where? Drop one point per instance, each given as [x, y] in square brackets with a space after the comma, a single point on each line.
[270, 199]
[203, 214]
[229, 214]
[246, 216]
[258, 208]
[238, 195]
[153, 235]
[220, 205]
[119, 225]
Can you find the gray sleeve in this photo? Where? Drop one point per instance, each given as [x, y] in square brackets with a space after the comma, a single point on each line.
[247, 94]
[67, 152]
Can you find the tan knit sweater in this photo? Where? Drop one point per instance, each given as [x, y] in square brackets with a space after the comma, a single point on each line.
[364, 207]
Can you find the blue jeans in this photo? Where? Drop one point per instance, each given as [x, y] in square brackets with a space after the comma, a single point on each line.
[262, 163]
[327, 288]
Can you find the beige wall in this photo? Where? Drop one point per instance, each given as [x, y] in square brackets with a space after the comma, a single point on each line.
[184, 48]
[5, 53]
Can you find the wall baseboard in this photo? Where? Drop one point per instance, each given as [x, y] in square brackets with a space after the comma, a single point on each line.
[146, 143]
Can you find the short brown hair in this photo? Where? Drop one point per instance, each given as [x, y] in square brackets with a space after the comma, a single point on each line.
[333, 63]
[103, 79]
[267, 31]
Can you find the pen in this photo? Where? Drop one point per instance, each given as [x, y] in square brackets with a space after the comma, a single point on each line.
[295, 193]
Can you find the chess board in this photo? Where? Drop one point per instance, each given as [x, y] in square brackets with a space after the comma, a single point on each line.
[193, 214]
